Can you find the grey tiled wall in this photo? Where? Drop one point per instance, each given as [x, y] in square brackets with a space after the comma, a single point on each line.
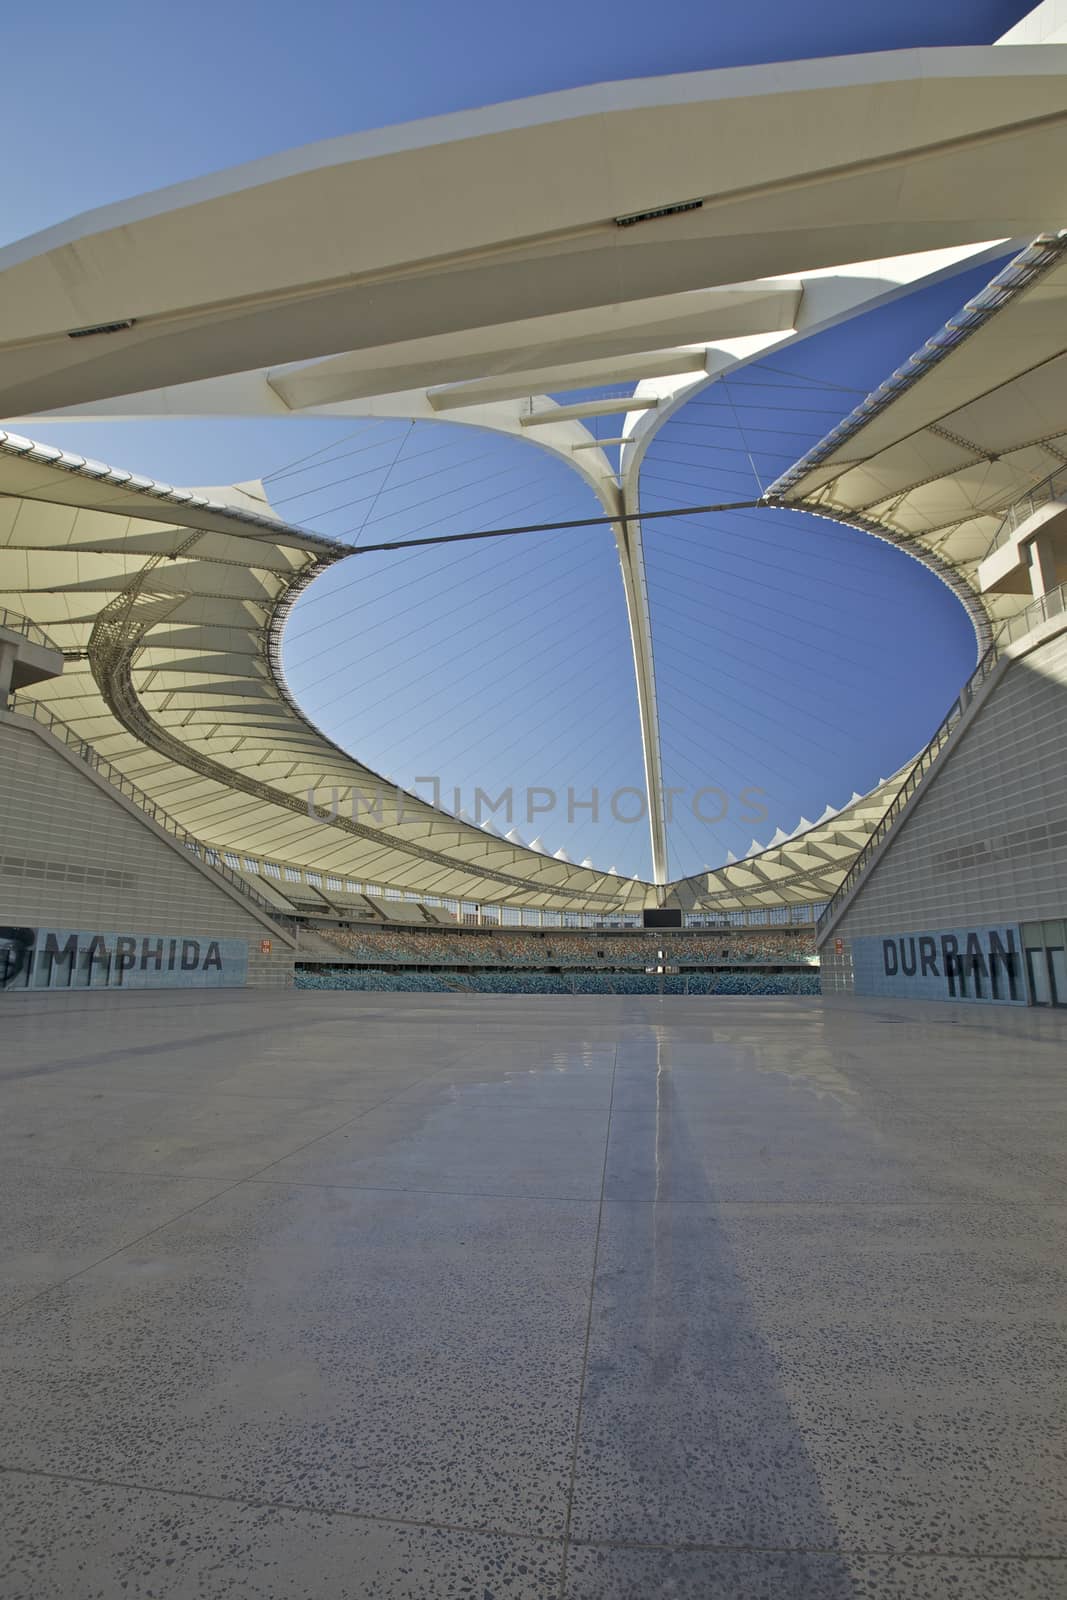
[987, 841]
[73, 856]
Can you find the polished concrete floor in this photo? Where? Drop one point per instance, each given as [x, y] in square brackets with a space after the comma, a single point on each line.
[325, 1296]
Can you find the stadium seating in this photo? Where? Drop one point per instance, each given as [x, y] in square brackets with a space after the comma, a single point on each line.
[348, 978]
[499, 947]
[577, 983]
[513, 983]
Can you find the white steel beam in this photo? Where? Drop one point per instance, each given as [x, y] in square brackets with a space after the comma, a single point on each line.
[550, 380]
[588, 408]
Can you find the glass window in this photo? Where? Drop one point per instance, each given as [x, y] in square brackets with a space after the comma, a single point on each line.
[1037, 967]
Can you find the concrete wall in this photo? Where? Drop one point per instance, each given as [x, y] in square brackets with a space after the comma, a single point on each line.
[985, 841]
[74, 854]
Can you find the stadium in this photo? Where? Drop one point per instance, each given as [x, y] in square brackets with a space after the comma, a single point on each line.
[402, 1202]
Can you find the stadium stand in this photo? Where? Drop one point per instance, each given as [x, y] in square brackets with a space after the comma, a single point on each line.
[386, 982]
[356, 905]
[396, 910]
[576, 983]
[390, 945]
[502, 961]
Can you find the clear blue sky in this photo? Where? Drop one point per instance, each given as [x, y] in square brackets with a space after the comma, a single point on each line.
[792, 656]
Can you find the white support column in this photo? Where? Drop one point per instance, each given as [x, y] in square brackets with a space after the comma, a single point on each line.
[1043, 563]
[632, 563]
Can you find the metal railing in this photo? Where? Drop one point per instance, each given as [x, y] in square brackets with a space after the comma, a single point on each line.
[17, 623]
[1054, 487]
[1042, 609]
[37, 711]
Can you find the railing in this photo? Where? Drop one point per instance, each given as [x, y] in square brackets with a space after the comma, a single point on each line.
[1043, 609]
[37, 711]
[1046, 606]
[1054, 487]
[29, 630]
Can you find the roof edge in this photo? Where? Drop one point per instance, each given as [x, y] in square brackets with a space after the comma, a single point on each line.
[1019, 274]
[50, 455]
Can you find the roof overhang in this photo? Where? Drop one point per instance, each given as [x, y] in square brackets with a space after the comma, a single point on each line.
[514, 212]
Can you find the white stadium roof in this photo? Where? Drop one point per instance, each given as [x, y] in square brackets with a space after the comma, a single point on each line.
[465, 268]
[168, 610]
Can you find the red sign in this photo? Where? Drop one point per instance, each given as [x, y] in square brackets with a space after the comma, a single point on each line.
[264, 947]
[839, 947]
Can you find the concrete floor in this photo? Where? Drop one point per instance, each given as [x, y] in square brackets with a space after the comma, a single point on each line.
[310, 1297]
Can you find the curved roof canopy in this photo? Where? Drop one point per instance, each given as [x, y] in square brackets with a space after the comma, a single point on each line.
[168, 607]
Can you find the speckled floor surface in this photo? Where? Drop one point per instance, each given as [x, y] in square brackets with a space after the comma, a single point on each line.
[325, 1296]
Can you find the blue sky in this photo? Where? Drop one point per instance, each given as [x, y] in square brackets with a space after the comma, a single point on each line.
[793, 656]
